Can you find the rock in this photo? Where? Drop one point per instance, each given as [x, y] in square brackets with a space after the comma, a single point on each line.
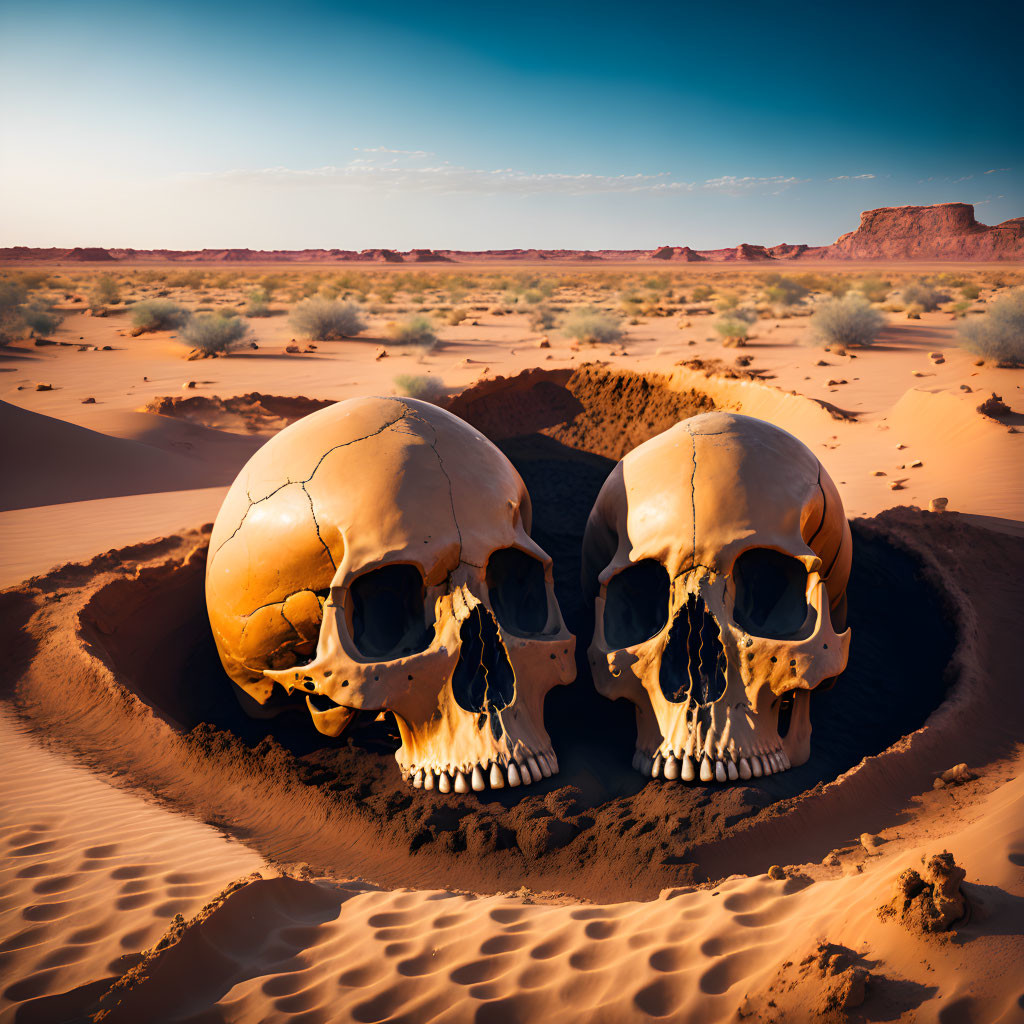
[776, 873]
[543, 343]
[107, 348]
[965, 387]
[929, 901]
[821, 362]
[895, 485]
[189, 385]
[292, 349]
[957, 775]
[916, 464]
[870, 842]
[831, 860]
[135, 332]
[382, 353]
[938, 504]
[994, 407]
[835, 383]
[96, 311]
[943, 231]
[44, 387]
[879, 472]
[89, 401]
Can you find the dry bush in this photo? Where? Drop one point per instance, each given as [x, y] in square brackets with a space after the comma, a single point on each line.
[999, 333]
[590, 325]
[849, 320]
[923, 294]
[427, 389]
[258, 304]
[158, 315]
[413, 330]
[321, 319]
[214, 333]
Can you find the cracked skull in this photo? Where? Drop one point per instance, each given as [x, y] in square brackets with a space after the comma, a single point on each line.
[717, 555]
[377, 555]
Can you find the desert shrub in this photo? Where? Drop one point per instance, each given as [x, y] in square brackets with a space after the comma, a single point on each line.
[258, 304]
[849, 320]
[158, 315]
[591, 326]
[701, 293]
[874, 289]
[914, 311]
[12, 324]
[999, 333]
[321, 319]
[727, 302]
[429, 389]
[923, 294]
[456, 316]
[970, 291]
[960, 309]
[187, 278]
[542, 318]
[784, 291]
[40, 319]
[732, 328]
[413, 330]
[105, 291]
[214, 332]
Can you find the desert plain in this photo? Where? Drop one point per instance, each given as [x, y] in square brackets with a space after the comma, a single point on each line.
[167, 858]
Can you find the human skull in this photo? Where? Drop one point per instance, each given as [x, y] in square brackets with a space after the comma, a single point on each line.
[717, 554]
[376, 555]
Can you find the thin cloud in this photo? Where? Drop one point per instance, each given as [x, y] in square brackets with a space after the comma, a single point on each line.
[415, 175]
[998, 170]
[852, 177]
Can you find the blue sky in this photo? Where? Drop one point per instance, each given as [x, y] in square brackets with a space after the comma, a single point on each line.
[451, 124]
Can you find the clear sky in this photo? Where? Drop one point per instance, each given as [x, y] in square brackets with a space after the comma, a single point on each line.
[454, 124]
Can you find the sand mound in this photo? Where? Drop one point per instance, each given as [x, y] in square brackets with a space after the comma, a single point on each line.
[48, 461]
[252, 412]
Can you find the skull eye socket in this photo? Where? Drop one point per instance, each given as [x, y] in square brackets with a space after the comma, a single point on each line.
[516, 588]
[388, 614]
[636, 604]
[771, 594]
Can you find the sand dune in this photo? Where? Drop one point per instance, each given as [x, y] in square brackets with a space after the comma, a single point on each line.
[53, 461]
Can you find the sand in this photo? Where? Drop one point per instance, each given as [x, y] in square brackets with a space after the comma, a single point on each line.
[130, 798]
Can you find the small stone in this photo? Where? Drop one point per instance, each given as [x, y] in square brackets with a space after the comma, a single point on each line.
[916, 464]
[895, 485]
[938, 784]
[44, 387]
[937, 356]
[835, 383]
[870, 842]
[89, 401]
[900, 447]
[292, 349]
[382, 353]
[188, 385]
[879, 472]
[543, 343]
[966, 387]
[938, 504]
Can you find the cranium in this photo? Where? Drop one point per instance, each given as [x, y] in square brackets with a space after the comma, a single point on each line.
[377, 555]
[718, 555]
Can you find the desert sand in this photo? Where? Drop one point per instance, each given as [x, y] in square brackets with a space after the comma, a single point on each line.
[167, 858]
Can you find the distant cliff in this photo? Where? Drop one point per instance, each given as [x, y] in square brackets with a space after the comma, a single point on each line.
[948, 231]
[945, 232]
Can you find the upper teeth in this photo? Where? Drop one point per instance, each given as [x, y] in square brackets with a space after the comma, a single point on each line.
[690, 769]
[527, 770]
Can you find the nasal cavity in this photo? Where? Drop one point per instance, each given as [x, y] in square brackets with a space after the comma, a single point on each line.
[483, 681]
[693, 664]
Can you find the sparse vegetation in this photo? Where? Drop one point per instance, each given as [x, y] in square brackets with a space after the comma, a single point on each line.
[258, 304]
[106, 291]
[40, 319]
[874, 289]
[428, 389]
[591, 326]
[413, 330]
[998, 334]
[733, 330]
[321, 319]
[456, 316]
[12, 295]
[214, 333]
[702, 293]
[849, 320]
[971, 291]
[542, 318]
[158, 315]
[784, 291]
[923, 294]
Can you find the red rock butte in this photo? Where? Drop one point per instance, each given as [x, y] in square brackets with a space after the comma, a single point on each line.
[948, 231]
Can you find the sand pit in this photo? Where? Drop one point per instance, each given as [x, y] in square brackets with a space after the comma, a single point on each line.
[597, 830]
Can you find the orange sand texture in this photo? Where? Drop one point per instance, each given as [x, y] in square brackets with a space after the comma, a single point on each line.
[95, 868]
